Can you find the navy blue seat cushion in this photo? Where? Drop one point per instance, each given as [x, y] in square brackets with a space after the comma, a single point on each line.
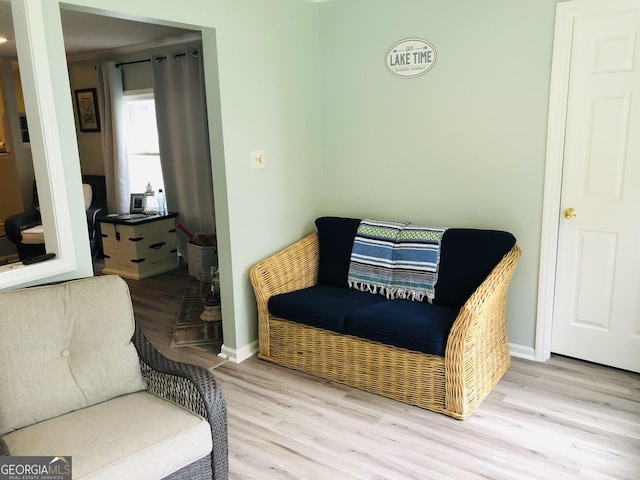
[467, 256]
[335, 238]
[322, 306]
[414, 325]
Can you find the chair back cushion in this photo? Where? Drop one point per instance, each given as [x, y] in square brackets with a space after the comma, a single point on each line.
[87, 193]
[98, 191]
[65, 347]
[467, 257]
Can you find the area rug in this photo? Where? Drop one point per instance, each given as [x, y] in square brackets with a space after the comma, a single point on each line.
[189, 328]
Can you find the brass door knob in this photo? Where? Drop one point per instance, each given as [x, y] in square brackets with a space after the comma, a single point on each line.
[570, 213]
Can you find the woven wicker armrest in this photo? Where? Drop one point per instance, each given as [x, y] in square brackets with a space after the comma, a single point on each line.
[293, 268]
[477, 353]
[4, 450]
[191, 387]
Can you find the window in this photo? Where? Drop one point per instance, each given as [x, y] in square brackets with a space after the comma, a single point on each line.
[142, 143]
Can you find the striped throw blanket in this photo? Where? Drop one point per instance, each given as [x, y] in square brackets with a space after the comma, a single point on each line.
[395, 259]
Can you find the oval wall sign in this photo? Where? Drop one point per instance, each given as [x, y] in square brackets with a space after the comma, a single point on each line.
[411, 58]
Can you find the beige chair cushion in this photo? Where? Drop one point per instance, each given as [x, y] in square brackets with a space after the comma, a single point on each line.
[33, 235]
[137, 436]
[65, 347]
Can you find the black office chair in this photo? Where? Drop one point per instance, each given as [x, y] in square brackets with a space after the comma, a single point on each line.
[16, 224]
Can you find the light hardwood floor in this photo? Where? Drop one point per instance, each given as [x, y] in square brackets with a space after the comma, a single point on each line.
[156, 304]
[564, 419]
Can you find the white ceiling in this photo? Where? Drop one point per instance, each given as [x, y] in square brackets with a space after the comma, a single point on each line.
[87, 34]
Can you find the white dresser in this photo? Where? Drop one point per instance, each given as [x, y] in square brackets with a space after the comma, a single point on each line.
[139, 247]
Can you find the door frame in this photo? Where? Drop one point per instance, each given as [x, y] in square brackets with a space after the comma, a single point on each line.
[566, 12]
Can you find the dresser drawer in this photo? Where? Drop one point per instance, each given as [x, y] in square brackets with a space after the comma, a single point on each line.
[152, 264]
[138, 247]
[136, 240]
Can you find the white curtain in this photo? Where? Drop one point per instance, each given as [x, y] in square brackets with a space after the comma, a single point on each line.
[113, 120]
[181, 112]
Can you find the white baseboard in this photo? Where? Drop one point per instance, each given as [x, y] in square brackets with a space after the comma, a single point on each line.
[521, 351]
[239, 355]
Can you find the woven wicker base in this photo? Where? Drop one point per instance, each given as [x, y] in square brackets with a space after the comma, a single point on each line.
[189, 328]
[410, 377]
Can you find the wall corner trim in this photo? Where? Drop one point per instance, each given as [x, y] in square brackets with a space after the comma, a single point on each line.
[239, 355]
[522, 351]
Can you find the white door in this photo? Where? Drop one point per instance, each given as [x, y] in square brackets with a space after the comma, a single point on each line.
[596, 313]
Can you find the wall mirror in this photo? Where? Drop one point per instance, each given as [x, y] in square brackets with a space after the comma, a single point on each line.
[53, 129]
[28, 101]
[16, 165]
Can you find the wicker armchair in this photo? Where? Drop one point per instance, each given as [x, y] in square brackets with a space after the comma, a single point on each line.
[477, 350]
[82, 360]
[194, 388]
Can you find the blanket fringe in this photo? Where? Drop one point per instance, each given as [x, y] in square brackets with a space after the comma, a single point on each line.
[367, 287]
[392, 293]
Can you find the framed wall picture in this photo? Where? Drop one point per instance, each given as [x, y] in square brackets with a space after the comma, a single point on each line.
[137, 203]
[87, 106]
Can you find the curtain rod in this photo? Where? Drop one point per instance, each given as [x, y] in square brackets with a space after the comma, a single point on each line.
[118, 65]
[157, 59]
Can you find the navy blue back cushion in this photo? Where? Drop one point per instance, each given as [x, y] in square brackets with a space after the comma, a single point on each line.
[467, 256]
[335, 236]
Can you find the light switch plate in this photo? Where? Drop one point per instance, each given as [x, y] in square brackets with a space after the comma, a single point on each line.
[258, 160]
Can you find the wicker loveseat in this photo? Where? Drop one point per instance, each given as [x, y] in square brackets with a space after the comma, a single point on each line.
[81, 382]
[444, 356]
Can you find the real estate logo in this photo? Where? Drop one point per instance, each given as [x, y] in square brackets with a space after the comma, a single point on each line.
[35, 468]
[411, 58]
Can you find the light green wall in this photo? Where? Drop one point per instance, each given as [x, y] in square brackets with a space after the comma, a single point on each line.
[267, 55]
[463, 145]
[266, 99]
[89, 143]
